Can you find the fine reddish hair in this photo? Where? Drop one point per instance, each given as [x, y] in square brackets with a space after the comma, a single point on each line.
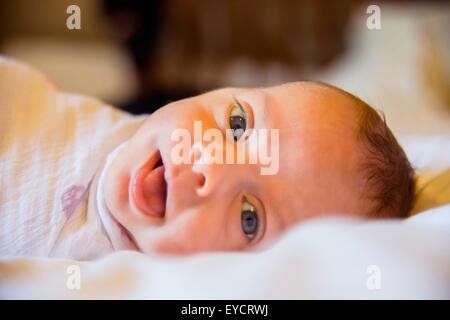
[389, 177]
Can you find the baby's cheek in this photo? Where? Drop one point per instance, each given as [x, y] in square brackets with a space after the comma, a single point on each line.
[164, 244]
[185, 236]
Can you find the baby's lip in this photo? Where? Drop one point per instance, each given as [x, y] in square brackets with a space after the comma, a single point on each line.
[148, 187]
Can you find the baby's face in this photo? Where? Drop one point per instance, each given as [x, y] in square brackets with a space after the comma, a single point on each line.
[201, 205]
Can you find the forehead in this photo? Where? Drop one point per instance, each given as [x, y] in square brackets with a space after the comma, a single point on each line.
[319, 102]
[312, 119]
[318, 149]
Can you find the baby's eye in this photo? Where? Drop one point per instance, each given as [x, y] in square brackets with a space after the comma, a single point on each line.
[249, 219]
[238, 120]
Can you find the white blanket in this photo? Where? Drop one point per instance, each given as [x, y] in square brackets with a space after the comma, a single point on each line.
[331, 258]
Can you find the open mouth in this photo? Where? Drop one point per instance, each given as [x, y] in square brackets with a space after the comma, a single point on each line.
[148, 187]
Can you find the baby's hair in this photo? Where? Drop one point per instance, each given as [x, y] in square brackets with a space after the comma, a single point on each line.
[390, 181]
[389, 176]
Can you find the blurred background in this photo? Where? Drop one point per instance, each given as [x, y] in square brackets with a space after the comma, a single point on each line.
[140, 55]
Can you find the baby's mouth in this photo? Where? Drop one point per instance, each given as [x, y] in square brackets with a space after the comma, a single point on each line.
[148, 187]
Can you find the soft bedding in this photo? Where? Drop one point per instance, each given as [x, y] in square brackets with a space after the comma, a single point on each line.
[330, 258]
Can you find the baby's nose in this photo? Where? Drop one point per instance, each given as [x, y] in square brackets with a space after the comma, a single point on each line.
[202, 180]
[201, 168]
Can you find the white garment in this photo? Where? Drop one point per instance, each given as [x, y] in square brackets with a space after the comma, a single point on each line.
[117, 237]
[52, 145]
[92, 231]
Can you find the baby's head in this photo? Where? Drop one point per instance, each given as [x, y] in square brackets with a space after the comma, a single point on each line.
[336, 156]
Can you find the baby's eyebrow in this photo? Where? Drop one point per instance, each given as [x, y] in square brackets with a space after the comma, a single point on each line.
[239, 104]
[265, 106]
[278, 218]
[281, 219]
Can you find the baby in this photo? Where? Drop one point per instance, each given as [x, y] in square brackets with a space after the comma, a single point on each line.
[336, 156]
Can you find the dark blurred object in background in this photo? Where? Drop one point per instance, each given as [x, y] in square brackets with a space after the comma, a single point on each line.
[140, 55]
[137, 26]
[184, 47]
